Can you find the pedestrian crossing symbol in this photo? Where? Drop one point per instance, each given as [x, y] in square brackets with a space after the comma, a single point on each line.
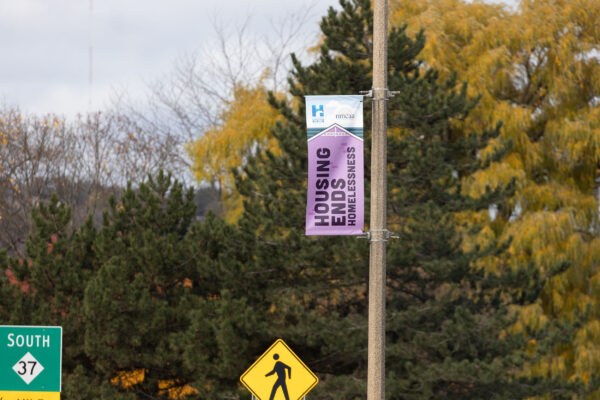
[279, 374]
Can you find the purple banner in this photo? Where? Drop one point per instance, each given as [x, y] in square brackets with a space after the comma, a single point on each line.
[335, 204]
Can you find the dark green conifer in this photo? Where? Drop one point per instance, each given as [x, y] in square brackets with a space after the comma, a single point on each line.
[144, 300]
[48, 289]
[447, 321]
[166, 301]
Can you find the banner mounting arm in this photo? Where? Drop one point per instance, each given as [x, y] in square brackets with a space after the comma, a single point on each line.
[388, 93]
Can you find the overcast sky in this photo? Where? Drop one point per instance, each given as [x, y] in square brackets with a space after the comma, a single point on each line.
[45, 44]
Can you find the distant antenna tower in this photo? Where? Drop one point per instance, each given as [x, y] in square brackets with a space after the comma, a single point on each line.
[91, 57]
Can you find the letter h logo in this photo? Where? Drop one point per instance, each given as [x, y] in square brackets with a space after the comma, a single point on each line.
[319, 109]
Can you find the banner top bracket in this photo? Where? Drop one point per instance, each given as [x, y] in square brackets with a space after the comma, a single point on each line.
[388, 93]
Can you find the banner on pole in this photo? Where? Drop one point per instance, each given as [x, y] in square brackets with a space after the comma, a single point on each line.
[335, 203]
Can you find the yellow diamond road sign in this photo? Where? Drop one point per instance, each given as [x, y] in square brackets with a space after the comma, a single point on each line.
[279, 374]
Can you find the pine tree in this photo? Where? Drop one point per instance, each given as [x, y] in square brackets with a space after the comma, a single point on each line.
[167, 296]
[47, 288]
[449, 319]
[144, 300]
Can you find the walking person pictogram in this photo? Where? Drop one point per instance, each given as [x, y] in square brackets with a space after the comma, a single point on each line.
[279, 369]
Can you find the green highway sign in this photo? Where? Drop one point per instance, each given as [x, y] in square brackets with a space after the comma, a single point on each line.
[30, 358]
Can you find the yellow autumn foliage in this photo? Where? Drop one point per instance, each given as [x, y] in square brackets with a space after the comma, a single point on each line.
[537, 68]
[128, 379]
[246, 123]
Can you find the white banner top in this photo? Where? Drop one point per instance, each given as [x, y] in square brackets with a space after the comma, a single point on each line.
[325, 111]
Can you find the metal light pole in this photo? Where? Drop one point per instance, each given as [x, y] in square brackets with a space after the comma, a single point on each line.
[378, 231]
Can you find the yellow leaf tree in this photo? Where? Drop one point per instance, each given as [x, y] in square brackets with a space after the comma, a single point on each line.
[246, 122]
[537, 68]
